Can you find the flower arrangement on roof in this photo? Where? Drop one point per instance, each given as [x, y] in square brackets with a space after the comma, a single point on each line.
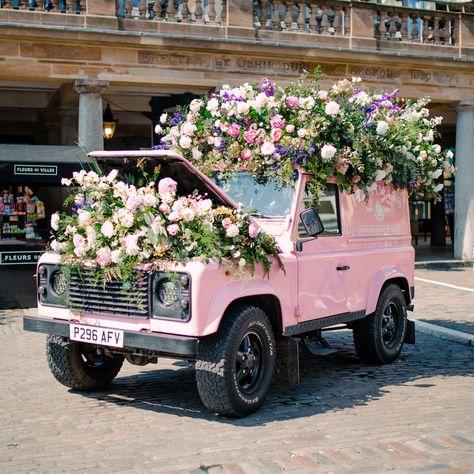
[116, 225]
[356, 136]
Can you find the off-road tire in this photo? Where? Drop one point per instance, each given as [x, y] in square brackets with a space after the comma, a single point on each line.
[223, 384]
[376, 339]
[69, 365]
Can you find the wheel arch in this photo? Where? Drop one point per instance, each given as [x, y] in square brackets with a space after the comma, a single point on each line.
[381, 281]
[268, 303]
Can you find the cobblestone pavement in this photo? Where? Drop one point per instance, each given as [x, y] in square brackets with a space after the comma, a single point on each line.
[446, 306]
[415, 415]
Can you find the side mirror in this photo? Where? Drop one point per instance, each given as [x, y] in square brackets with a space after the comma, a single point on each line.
[311, 222]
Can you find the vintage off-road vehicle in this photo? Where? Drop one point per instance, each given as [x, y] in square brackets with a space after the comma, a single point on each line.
[349, 262]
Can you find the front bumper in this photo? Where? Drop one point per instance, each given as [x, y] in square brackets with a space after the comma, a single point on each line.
[186, 347]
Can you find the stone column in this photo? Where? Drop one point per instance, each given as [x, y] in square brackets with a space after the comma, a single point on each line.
[464, 184]
[90, 113]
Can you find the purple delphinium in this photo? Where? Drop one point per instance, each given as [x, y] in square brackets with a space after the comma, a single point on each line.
[177, 118]
[267, 87]
[161, 146]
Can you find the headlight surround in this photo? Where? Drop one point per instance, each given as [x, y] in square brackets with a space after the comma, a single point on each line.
[171, 296]
[52, 285]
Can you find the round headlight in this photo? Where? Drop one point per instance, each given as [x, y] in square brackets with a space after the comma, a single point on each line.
[59, 283]
[168, 292]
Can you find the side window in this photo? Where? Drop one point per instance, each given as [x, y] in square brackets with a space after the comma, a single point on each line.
[328, 209]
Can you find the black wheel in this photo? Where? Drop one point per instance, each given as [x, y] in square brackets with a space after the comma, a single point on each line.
[379, 337]
[78, 365]
[235, 366]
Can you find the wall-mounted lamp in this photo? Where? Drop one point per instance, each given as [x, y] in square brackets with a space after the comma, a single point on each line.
[108, 123]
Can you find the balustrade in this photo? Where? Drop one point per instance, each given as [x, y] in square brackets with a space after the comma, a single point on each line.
[329, 18]
[55, 6]
[417, 26]
[181, 11]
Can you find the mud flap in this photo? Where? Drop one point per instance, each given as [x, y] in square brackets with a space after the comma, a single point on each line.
[410, 334]
[287, 367]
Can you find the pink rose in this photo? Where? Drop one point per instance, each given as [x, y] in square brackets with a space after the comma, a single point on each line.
[246, 154]
[356, 179]
[104, 256]
[276, 134]
[226, 222]
[290, 128]
[302, 132]
[254, 230]
[173, 229]
[164, 208]
[250, 135]
[130, 244]
[233, 130]
[173, 216]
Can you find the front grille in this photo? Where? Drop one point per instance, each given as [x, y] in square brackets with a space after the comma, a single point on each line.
[86, 295]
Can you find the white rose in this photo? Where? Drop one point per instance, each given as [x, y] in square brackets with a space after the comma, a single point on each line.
[158, 129]
[382, 127]
[242, 262]
[437, 149]
[268, 148]
[327, 152]
[188, 128]
[243, 108]
[107, 229]
[379, 175]
[212, 105]
[261, 100]
[84, 218]
[149, 200]
[163, 118]
[55, 221]
[232, 231]
[195, 105]
[197, 154]
[116, 256]
[66, 182]
[187, 214]
[332, 108]
[436, 174]
[185, 142]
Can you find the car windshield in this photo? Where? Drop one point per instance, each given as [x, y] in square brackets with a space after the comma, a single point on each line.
[269, 199]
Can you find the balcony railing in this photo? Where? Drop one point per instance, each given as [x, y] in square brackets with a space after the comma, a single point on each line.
[338, 23]
[55, 6]
[180, 11]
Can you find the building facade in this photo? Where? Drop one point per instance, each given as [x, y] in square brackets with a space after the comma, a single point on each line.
[62, 62]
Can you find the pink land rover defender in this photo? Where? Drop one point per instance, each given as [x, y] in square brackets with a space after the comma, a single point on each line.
[349, 262]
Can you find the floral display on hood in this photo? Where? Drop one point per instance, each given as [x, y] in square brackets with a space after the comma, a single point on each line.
[116, 225]
[356, 136]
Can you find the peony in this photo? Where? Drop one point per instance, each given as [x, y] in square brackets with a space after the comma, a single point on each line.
[187, 214]
[149, 200]
[382, 127]
[195, 105]
[243, 108]
[276, 134]
[107, 229]
[167, 186]
[268, 148]
[261, 100]
[232, 230]
[79, 242]
[250, 135]
[332, 108]
[164, 208]
[173, 216]
[254, 230]
[246, 154]
[116, 256]
[104, 256]
[327, 152]
[55, 221]
[233, 130]
[277, 121]
[133, 202]
[130, 244]
[204, 205]
[185, 142]
[173, 229]
[84, 218]
[292, 102]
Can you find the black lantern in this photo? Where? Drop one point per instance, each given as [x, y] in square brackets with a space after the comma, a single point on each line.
[108, 123]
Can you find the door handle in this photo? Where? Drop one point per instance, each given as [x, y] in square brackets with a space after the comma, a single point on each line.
[341, 269]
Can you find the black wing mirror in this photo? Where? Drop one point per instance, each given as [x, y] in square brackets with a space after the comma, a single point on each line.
[311, 222]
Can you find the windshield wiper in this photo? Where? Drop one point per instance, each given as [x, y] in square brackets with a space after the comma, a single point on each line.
[260, 216]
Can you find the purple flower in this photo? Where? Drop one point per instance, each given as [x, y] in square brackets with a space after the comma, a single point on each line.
[178, 117]
[161, 146]
[267, 87]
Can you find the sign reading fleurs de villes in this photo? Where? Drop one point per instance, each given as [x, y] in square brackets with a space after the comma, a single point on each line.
[36, 170]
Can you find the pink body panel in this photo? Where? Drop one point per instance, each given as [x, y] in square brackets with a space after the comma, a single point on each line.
[375, 243]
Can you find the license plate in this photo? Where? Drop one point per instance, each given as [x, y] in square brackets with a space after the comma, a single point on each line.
[96, 335]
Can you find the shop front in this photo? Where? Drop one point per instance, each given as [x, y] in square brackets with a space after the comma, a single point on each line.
[30, 191]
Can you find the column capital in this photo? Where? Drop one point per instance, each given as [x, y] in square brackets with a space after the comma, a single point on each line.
[88, 86]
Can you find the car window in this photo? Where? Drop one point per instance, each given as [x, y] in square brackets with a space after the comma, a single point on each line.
[328, 209]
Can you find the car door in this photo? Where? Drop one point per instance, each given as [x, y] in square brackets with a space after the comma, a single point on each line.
[322, 262]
